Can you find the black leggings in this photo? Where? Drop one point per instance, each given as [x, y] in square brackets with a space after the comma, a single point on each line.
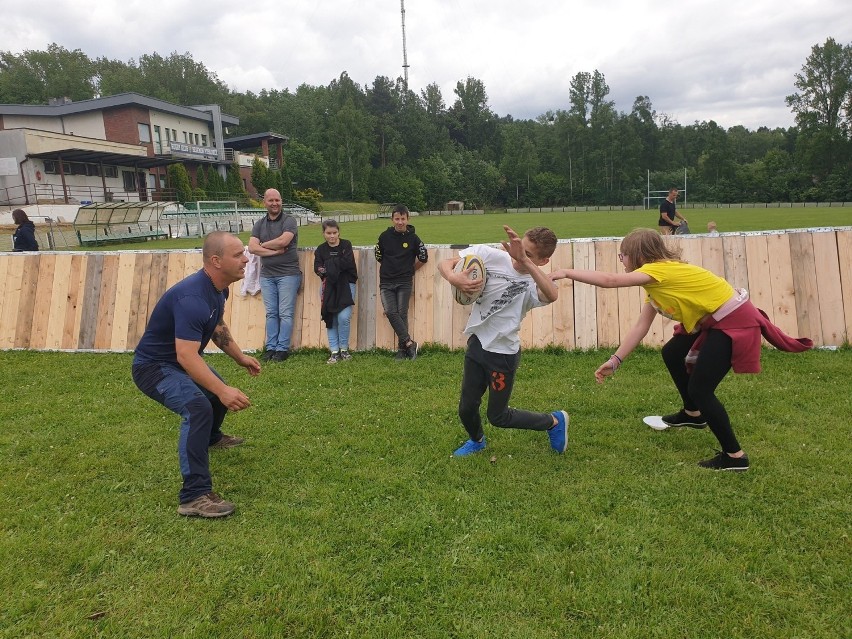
[698, 389]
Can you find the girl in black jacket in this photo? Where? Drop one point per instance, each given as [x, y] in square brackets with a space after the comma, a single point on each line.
[23, 239]
[334, 262]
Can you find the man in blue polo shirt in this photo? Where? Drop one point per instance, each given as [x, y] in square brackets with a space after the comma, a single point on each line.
[168, 367]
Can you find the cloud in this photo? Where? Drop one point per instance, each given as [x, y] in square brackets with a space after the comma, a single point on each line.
[722, 60]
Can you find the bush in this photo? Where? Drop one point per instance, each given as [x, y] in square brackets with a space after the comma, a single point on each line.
[309, 198]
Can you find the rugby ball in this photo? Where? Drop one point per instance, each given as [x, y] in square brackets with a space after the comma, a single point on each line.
[478, 273]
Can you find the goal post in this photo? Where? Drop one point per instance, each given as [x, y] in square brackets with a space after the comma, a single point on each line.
[661, 194]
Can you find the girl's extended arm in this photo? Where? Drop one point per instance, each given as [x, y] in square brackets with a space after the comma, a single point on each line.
[630, 342]
[602, 279]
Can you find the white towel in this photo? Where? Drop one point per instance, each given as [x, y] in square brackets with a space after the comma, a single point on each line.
[251, 282]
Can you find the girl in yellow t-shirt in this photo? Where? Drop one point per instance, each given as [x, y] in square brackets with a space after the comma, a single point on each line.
[688, 294]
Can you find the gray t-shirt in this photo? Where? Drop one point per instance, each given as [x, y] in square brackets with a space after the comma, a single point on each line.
[287, 263]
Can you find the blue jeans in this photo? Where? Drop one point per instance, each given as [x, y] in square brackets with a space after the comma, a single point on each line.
[201, 414]
[338, 334]
[279, 299]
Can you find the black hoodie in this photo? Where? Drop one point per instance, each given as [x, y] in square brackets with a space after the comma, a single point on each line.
[396, 252]
[23, 239]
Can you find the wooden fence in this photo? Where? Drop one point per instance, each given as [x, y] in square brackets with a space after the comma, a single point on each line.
[101, 301]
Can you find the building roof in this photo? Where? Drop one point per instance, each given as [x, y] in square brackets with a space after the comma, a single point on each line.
[252, 141]
[111, 102]
[105, 157]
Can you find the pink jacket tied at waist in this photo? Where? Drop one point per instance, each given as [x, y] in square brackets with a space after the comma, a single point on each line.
[744, 323]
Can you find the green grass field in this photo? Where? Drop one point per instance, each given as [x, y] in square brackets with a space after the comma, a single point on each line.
[354, 521]
[472, 229]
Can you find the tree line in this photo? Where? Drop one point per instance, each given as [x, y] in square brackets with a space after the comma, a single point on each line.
[385, 143]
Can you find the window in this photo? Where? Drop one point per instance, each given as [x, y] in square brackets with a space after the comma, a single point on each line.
[78, 168]
[93, 170]
[144, 132]
[158, 139]
[196, 138]
[174, 135]
[186, 137]
[111, 171]
[203, 140]
[50, 167]
[129, 178]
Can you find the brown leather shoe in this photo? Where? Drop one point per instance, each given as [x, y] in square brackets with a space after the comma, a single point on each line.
[227, 441]
[209, 505]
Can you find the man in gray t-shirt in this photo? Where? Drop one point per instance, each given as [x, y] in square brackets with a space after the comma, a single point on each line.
[274, 238]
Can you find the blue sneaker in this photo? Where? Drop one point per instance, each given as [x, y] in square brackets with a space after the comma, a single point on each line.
[558, 434]
[469, 448]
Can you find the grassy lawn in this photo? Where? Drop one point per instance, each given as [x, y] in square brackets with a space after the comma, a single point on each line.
[472, 229]
[354, 521]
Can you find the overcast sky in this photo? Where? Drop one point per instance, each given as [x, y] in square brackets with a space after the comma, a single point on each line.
[698, 60]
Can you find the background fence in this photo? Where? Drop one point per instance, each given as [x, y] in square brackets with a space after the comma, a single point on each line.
[101, 301]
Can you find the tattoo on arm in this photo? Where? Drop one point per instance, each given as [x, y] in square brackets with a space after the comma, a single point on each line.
[222, 335]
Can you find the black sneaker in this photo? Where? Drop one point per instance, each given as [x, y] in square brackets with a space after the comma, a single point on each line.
[267, 356]
[412, 349]
[280, 356]
[723, 461]
[680, 419]
[401, 354]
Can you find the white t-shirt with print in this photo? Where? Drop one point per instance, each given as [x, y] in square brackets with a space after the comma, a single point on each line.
[495, 318]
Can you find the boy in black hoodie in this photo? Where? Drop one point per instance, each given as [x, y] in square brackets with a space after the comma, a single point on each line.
[400, 253]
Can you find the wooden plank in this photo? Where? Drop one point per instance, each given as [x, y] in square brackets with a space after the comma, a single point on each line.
[827, 266]
[138, 316]
[58, 300]
[563, 307]
[803, 269]
[5, 260]
[712, 254]
[106, 302]
[90, 301]
[26, 303]
[368, 303]
[442, 295]
[542, 319]
[630, 302]
[759, 288]
[844, 260]
[43, 297]
[585, 298]
[11, 298]
[734, 258]
[781, 281]
[177, 264]
[123, 292]
[690, 249]
[422, 326]
[606, 259]
[74, 308]
[314, 334]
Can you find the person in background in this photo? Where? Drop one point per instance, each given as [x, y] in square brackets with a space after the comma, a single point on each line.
[668, 214]
[334, 262]
[274, 238]
[711, 229]
[400, 253]
[23, 239]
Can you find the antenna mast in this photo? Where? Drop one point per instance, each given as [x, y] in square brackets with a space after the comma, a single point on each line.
[404, 52]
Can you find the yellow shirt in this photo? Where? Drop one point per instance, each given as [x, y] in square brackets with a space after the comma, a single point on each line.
[684, 292]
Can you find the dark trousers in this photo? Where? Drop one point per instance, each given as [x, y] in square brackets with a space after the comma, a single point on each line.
[495, 372]
[201, 414]
[395, 298]
[698, 389]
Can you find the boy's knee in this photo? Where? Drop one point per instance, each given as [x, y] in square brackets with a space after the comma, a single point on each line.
[500, 420]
